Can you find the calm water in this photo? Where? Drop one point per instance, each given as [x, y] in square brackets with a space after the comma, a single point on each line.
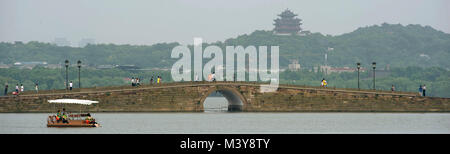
[217, 121]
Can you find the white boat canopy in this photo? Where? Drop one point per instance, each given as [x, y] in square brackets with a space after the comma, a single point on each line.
[72, 101]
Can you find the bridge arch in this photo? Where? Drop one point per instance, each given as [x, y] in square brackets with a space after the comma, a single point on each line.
[236, 101]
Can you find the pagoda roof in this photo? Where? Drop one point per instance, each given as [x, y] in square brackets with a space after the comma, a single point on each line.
[287, 13]
[288, 20]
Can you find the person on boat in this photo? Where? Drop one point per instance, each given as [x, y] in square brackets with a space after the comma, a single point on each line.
[58, 116]
[63, 111]
[64, 118]
[90, 120]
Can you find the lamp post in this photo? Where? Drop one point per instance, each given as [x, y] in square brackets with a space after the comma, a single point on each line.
[358, 65]
[374, 64]
[79, 70]
[67, 75]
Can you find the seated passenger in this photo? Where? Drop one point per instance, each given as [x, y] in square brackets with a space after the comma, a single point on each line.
[90, 120]
[87, 120]
[64, 118]
[58, 116]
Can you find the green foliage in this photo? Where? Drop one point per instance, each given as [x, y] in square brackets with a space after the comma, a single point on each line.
[404, 79]
[417, 55]
[157, 55]
[55, 78]
[396, 45]
[407, 79]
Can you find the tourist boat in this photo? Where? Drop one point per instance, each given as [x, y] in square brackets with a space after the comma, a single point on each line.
[74, 120]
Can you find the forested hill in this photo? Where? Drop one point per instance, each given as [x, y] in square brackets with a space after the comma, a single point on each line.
[393, 44]
[397, 45]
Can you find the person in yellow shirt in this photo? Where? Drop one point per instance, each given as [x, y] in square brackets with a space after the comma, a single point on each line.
[324, 83]
[64, 118]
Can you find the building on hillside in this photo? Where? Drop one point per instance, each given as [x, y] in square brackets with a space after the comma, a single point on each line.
[127, 67]
[105, 66]
[294, 66]
[4, 65]
[329, 69]
[54, 66]
[85, 42]
[287, 24]
[29, 65]
[61, 41]
[304, 33]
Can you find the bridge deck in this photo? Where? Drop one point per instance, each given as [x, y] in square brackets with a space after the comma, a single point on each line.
[203, 83]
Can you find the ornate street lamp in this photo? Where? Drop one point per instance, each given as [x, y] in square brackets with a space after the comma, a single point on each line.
[374, 65]
[358, 65]
[67, 75]
[79, 70]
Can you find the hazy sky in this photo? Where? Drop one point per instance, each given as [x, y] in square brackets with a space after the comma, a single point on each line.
[150, 21]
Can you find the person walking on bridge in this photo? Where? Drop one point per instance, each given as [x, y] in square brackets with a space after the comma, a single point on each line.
[21, 88]
[196, 77]
[420, 90]
[17, 88]
[210, 77]
[6, 89]
[424, 88]
[151, 80]
[36, 87]
[324, 83]
[214, 76]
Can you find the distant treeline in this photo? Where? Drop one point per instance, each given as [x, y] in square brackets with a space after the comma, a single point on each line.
[55, 78]
[407, 79]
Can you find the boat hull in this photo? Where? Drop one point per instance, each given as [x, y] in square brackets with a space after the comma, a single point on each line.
[72, 123]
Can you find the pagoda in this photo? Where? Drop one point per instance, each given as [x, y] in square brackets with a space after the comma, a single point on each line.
[287, 23]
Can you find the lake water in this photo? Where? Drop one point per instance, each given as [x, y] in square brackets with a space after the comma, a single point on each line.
[216, 120]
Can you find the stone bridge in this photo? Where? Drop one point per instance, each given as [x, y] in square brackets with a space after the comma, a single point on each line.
[241, 96]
